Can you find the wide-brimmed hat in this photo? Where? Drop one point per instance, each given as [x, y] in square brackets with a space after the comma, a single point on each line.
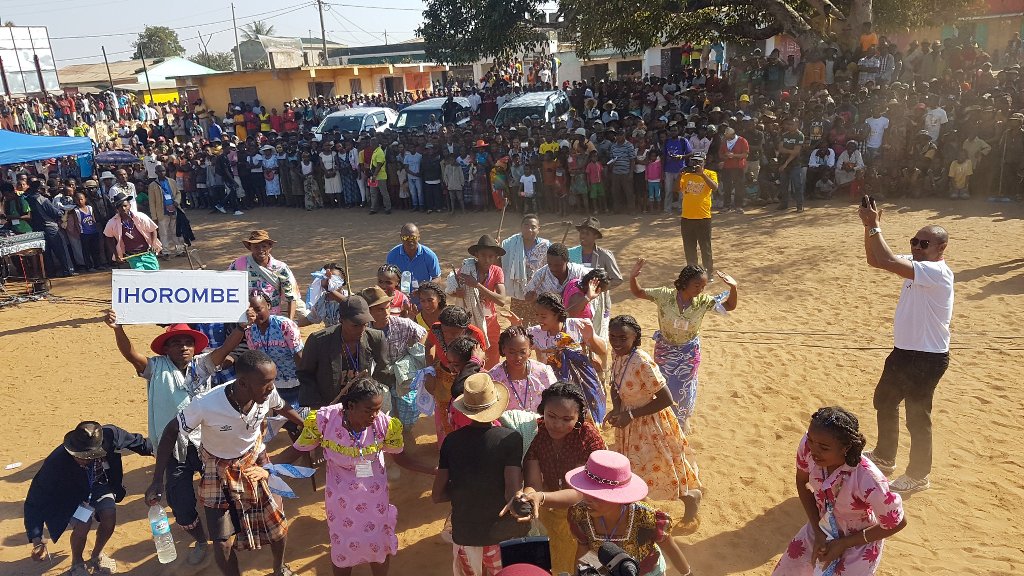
[257, 237]
[483, 399]
[355, 308]
[607, 477]
[85, 441]
[375, 296]
[120, 198]
[107, 174]
[481, 144]
[486, 241]
[591, 223]
[201, 341]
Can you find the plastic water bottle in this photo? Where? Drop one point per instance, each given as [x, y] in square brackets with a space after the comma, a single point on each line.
[406, 281]
[162, 537]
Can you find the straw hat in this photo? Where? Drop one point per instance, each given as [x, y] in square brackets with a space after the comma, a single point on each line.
[608, 477]
[483, 399]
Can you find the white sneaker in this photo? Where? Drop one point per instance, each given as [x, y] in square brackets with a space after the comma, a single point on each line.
[239, 213]
[220, 209]
[906, 485]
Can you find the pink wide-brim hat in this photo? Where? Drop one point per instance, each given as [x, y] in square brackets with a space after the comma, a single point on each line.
[608, 477]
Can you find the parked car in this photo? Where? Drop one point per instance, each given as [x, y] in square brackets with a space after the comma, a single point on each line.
[417, 115]
[357, 120]
[549, 106]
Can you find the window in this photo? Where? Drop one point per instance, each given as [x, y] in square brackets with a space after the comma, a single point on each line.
[325, 89]
[240, 95]
[355, 85]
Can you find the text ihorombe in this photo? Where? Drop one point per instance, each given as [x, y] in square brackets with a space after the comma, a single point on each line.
[177, 295]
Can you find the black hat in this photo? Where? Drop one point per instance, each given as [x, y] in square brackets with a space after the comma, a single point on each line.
[591, 223]
[85, 441]
[356, 309]
[486, 241]
[120, 198]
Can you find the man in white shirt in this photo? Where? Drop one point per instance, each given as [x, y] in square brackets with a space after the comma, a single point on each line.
[474, 101]
[233, 491]
[123, 186]
[877, 125]
[920, 354]
[934, 118]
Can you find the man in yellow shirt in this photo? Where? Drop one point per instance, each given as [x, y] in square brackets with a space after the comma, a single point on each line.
[548, 146]
[696, 185]
[378, 180]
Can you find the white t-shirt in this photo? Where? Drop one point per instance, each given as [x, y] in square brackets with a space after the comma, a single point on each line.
[933, 121]
[925, 308]
[226, 433]
[150, 162]
[876, 127]
[529, 182]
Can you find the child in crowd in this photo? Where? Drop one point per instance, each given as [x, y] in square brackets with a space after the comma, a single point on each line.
[454, 180]
[960, 172]
[653, 173]
[595, 173]
[529, 192]
[515, 186]
[389, 278]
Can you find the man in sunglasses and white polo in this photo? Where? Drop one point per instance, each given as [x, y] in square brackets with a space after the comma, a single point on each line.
[921, 349]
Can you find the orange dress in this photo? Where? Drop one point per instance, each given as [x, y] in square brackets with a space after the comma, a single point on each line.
[655, 444]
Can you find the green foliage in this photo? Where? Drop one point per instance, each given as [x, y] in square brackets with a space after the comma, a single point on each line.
[157, 42]
[256, 29]
[222, 61]
[462, 31]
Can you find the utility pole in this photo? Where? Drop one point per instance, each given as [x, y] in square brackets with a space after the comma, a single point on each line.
[323, 29]
[107, 64]
[145, 70]
[385, 37]
[238, 52]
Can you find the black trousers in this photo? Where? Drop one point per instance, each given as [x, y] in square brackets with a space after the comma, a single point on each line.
[181, 493]
[697, 232]
[908, 376]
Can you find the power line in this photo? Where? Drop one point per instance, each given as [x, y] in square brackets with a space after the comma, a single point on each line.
[363, 30]
[373, 7]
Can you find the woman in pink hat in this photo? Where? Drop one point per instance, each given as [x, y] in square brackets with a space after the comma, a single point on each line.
[611, 511]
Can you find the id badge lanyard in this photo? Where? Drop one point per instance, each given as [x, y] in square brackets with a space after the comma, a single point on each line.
[364, 466]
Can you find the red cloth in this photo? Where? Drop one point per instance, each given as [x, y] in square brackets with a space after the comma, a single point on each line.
[741, 147]
[556, 462]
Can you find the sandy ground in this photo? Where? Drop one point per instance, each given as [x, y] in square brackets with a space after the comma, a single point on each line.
[812, 328]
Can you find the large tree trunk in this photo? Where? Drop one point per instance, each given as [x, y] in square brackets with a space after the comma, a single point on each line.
[860, 12]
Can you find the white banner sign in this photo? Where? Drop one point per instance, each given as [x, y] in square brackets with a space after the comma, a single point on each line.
[178, 296]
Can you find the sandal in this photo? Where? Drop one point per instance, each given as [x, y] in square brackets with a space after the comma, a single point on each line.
[80, 569]
[285, 571]
[103, 564]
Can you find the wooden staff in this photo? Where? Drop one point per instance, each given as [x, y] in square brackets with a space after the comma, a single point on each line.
[344, 254]
[568, 226]
[501, 222]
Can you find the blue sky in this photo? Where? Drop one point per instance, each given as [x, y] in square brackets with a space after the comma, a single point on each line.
[78, 28]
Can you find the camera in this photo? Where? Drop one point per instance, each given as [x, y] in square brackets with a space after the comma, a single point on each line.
[614, 562]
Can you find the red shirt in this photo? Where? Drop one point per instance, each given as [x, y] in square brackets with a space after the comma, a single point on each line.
[277, 123]
[740, 147]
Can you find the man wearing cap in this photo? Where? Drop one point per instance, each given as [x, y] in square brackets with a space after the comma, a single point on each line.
[478, 471]
[696, 186]
[132, 236]
[270, 276]
[80, 480]
[180, 371]
[241, 512]
[591, 256]
[338, 355]
[413, 257]
[677, 151]
[164, 199]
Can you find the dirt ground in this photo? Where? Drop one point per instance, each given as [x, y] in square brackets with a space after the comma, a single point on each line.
[812, 328]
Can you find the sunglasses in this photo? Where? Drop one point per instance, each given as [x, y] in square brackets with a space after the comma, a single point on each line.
[410, 238]
[917, 242]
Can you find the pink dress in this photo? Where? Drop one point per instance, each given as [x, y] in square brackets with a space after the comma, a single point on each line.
[525, 394]
[859, 498]
[360, 518]
[571, 289]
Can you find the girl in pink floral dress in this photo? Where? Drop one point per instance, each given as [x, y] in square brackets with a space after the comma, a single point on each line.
[355, 435]
[850, 509]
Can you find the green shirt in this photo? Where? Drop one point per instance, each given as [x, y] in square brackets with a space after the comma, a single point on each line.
[18, 212]
[679, 328]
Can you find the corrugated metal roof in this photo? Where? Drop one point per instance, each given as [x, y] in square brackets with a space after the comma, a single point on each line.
[129, 71]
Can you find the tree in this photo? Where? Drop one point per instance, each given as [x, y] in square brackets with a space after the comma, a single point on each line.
[254, 30]
[9, 24]
[463, 31]
[157, 42]
[222, 61]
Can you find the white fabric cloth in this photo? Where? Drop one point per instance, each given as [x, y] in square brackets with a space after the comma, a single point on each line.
[471, 297]
[925, 308]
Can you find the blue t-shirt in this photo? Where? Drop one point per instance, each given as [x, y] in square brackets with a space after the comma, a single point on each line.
[676, 147]
[412, 162]
[424, 266]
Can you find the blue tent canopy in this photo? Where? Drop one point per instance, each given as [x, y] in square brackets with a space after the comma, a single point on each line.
[16, 147]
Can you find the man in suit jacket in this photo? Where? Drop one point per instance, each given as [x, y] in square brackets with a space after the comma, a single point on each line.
[164, 198]
[339, 355]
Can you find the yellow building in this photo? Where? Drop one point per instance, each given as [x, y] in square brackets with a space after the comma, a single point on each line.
[274, 87]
